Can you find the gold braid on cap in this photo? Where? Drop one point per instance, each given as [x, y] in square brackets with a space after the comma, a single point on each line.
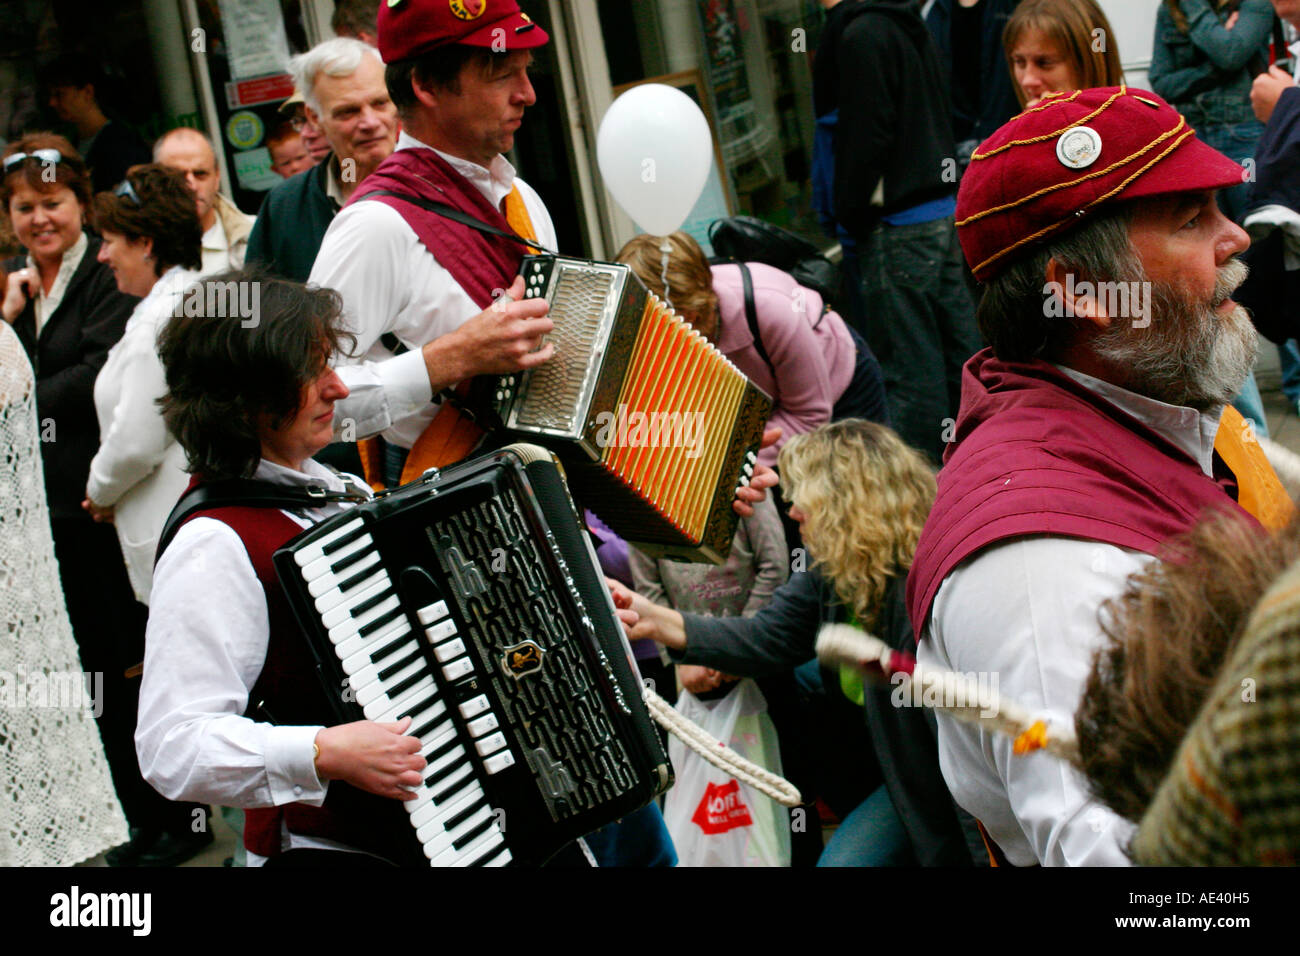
[1095, 174]
[1046, 136]
[1100, 199]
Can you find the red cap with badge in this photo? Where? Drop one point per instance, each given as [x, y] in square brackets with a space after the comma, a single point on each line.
[411, 27]
[1055, 164]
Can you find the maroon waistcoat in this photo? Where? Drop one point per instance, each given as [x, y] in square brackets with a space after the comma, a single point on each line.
[1035, 452]
[289, 692]
[480, 263]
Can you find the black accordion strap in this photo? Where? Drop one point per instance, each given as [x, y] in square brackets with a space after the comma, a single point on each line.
[455, 215]
[244, 493]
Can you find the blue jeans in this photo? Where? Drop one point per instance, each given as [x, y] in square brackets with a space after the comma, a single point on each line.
[1288, 354]
[1251, 405]
[920, 323]
[1237, 141]
[872, 835]
[639, 839]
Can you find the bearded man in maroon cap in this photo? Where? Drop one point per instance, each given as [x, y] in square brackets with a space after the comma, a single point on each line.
[1095, 428]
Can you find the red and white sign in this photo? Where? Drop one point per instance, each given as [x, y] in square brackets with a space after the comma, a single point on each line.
[260, 89]
[722, 809]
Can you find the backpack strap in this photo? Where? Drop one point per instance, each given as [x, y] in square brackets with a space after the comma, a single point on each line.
[751, 315]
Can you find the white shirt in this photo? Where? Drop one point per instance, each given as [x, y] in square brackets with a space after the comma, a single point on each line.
[390, 282]
[204, 650]
[1026, 610]
[46, 304]
[139, 468]
[215, 249]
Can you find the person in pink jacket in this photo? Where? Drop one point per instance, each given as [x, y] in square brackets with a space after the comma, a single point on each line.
[815, 367]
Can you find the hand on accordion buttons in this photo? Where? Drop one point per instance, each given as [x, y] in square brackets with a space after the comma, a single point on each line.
[505, 337]
[377, 758]
[763, 479]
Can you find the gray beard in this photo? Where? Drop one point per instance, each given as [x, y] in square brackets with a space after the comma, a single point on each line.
[1190, 355]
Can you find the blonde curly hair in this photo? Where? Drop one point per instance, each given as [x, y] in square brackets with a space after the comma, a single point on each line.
[866, 495]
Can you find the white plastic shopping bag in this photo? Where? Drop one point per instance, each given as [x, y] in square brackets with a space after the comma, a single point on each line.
[714, 819]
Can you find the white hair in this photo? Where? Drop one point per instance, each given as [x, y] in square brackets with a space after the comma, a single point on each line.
[337, 57]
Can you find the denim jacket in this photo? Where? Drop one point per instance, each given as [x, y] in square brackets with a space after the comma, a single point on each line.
[1206, 72]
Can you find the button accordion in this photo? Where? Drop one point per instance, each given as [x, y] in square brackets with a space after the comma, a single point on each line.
[657, 429]
[471, 601]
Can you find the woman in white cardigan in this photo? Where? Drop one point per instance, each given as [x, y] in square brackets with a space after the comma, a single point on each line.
[152, 243]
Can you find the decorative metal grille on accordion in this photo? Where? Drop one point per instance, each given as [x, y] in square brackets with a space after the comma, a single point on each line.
[471, 601]
[657, 429]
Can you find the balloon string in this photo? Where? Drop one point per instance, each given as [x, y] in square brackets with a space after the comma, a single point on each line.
[665, 249]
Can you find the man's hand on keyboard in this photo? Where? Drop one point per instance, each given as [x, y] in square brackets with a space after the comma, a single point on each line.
[377, 758]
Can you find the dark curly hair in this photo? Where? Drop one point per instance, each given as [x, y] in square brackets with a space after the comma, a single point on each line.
[162, 209]
[228, 378]
[70, 171]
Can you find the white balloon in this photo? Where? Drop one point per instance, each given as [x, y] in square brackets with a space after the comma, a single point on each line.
[654, 149]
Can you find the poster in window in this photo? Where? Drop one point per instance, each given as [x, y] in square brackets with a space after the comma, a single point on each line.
[256, 42]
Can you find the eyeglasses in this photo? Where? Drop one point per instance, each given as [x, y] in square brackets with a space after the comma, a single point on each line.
[126, 191]
[48, 156]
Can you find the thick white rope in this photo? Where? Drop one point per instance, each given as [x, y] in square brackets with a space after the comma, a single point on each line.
[967, 699]
[719, 754]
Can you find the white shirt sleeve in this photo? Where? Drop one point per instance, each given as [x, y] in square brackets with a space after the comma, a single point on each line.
[370, 257]
[205, 647]
[1025, 613]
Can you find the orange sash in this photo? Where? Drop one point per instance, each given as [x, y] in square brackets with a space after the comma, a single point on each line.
[1258, 490]
[450, 437]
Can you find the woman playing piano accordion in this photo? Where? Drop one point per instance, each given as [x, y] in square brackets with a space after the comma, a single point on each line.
[230, 709]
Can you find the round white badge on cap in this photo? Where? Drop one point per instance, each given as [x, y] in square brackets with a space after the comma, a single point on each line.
[1078, 148]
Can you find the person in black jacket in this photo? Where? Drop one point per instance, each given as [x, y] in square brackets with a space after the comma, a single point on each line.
[68, 313]
[968, 39]
[895, 187]
[108, 146]
[861, 497]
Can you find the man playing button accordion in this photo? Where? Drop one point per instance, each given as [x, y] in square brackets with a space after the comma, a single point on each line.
[418, 287]
[1094, 429]
[422, 289]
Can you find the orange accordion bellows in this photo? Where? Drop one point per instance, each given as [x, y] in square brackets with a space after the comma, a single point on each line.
[656, 428]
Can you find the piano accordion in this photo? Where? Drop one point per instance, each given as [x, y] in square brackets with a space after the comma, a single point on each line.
[657, 429]
[471, 601]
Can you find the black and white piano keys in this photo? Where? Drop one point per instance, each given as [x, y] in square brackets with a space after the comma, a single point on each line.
[391, 679]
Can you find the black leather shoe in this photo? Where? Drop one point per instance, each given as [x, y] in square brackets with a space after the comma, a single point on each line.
[173, 849]
[128, 854]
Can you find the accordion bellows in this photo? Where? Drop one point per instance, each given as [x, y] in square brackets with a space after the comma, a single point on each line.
[657, 429]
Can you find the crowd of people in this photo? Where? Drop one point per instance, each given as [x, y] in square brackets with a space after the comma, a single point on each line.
[975, 452]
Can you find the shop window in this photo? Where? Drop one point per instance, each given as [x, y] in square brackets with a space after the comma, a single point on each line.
[756, 66]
